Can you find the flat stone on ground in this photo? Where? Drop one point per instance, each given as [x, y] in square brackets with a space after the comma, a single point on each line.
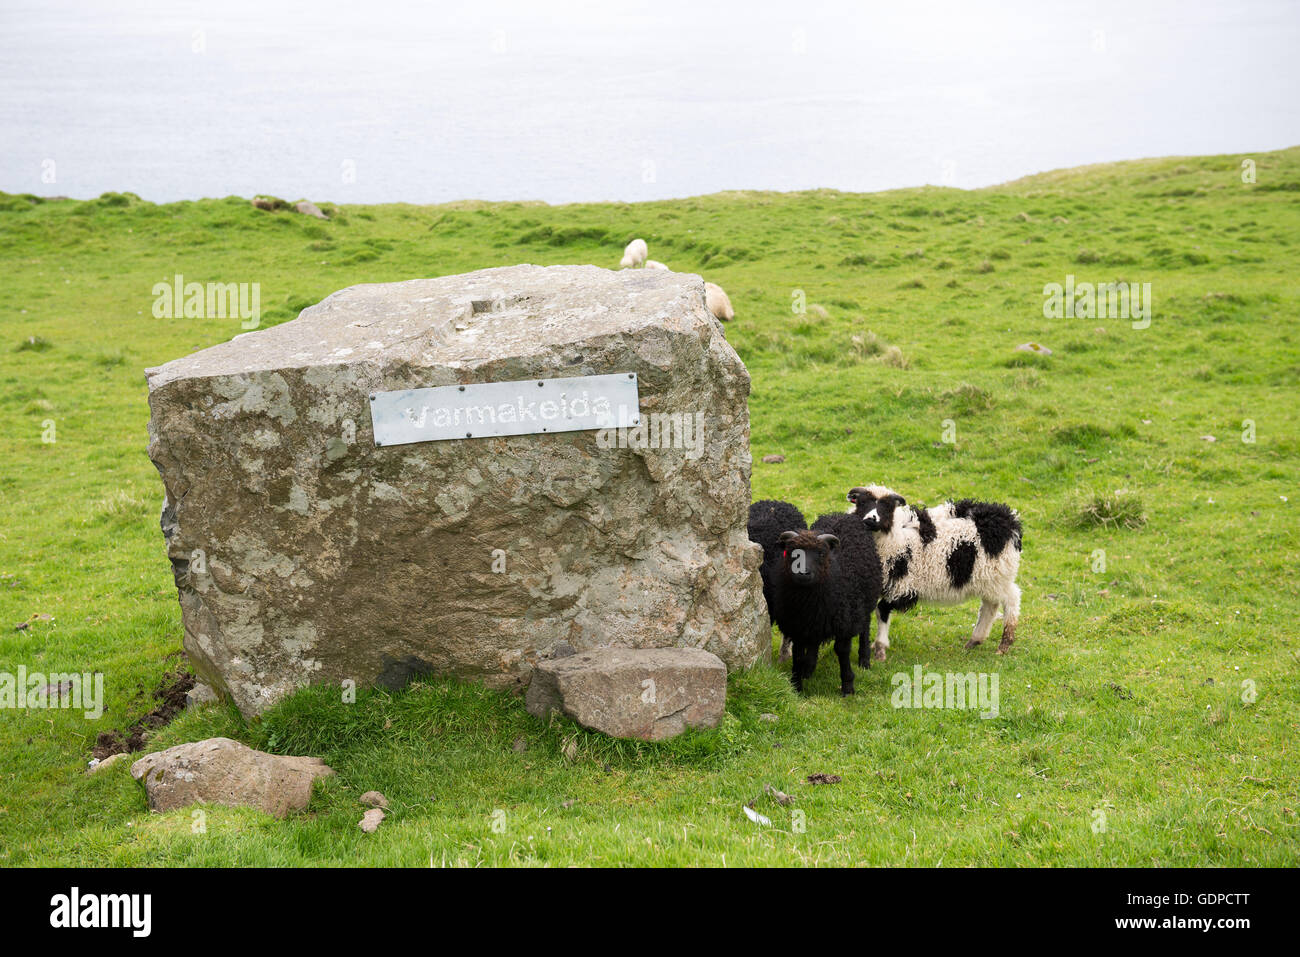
[646, 693]
[222, 771]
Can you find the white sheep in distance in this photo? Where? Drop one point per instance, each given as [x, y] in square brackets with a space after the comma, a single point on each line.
[655, 264]
[718, 302]
[947, 554]
[635, 254]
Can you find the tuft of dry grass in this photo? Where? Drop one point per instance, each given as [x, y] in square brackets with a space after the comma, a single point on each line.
[893, 356]
[1118, 509]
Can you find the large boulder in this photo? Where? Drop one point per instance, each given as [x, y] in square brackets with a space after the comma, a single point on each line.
[305, 553]
[222, 771]
[647, 693]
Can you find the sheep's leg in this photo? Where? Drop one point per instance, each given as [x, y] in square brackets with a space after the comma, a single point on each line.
[864, 645]
[882, 634]
[798, 663]
[1010, 616]
[805, 661]
[844, 652]
[984, 623]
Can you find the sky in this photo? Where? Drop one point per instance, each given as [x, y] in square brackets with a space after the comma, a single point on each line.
[430, 102]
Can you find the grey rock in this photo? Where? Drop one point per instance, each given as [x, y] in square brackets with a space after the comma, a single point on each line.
[646, 693]
[200, 695]
[304, 554]
[108, 762]
[222, 771]
[308, 208]
[371, 820]
[374, 799]
[1034, 347]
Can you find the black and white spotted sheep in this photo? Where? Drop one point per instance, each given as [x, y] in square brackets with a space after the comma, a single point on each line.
[947, 554]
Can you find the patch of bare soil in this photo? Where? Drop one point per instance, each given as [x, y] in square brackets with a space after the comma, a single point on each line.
[170, 695]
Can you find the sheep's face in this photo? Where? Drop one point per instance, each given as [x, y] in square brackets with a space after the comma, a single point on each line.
[875, 505]
[806, 556]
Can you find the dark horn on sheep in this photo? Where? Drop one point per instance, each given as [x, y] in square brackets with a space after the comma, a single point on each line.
[789, 536]
[830, 540]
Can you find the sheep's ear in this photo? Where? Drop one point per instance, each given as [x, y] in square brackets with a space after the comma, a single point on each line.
[789, 536]
[898, 500]
[831, 541]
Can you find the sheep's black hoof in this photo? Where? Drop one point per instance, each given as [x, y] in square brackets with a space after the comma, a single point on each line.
[846, 692]
[973, 644]
[864, 661]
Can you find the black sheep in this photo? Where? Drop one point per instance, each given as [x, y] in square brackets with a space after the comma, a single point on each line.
[825, 582]
[767, 520]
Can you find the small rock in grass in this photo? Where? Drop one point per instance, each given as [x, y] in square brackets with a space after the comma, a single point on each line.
[371, 820]
[780, 797]
[1208, 438]
[374, 799]
[308, 208]
[520, 745]
[1036, 348]
[773, 459]
[56, 692]
[768, 717]
[97, 766]
[200, 695]
[823, 778]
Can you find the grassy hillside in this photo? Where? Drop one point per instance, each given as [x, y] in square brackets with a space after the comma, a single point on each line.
[1160, 691]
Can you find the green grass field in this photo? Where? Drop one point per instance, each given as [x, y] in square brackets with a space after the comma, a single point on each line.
[1148, 711]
